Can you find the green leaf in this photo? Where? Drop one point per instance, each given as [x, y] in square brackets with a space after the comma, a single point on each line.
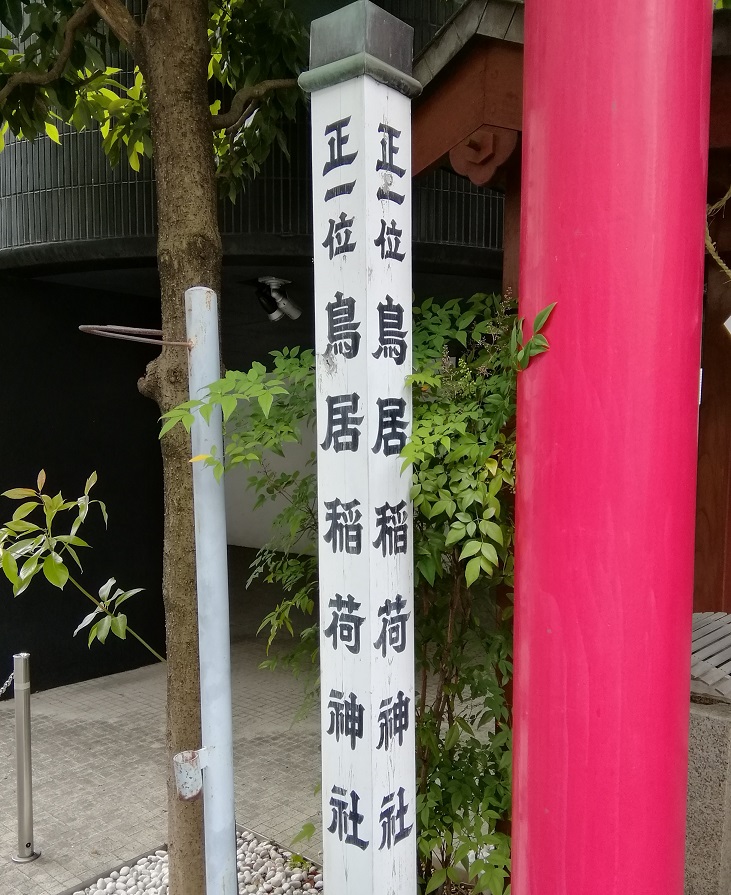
[456, 533]
[10, 567]
[438, 878]
[83, 504]
[72, 539]
[87, 621]
[90, 482]
[27, 545]
[428, 569]
[265, 402]
[542, 316]
[450, 741]
[25, 509]
[20, 586]
[168, 425]
[103, 627]
[29, 568]
[492, 530]
[439, 507]
[21, 526]
[228, 405]
[472, 572]
[126, 595]
[11, 15]
[106, 589]
[74, 555]
[470, 548]
[55, 571]
[307, 832]
[18, 493]
[119, 625]
[52, 132]
[134, 163]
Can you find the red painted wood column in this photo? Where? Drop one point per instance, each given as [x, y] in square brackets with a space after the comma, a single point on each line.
[615, 148]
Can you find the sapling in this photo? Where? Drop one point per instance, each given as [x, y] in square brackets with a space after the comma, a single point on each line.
[29, 546]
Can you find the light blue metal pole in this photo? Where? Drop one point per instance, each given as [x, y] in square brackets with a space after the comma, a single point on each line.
[201, 316]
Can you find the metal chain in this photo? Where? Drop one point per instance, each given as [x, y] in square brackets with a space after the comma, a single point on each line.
[7, 683]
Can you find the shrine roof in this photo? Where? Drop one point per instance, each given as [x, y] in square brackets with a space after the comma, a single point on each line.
[500, 19]
[503, 20]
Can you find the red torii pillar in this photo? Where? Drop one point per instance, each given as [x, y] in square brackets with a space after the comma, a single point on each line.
[615, 147]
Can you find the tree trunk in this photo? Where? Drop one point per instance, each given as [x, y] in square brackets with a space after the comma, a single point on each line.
[175, 41]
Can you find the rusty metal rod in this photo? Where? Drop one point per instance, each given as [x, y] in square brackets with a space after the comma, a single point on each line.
[129, 334]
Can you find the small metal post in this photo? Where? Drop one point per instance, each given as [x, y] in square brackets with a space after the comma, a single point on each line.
[24, 772]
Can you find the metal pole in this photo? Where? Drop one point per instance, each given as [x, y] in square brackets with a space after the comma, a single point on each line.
[24, 772]
[615, 147]
[201, 314]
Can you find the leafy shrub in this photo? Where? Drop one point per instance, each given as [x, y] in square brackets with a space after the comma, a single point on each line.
[466, 356]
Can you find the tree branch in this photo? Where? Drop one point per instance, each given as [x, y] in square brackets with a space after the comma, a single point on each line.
[113, 12]
[247, 113]
[149, 385]
[39, 78]
[121, 23]
[245, 96]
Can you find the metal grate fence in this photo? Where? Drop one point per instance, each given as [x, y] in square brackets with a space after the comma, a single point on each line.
[53, 194]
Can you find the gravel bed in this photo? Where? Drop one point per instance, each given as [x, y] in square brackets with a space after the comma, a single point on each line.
[263, 869]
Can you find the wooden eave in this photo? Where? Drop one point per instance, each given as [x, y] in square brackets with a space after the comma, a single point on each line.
[472, 74]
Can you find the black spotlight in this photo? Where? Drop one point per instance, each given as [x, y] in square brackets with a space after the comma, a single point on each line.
[274, 299]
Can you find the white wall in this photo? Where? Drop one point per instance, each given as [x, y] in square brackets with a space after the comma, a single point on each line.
[246, 526]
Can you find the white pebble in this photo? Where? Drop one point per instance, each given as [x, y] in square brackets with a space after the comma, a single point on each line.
[263, 869]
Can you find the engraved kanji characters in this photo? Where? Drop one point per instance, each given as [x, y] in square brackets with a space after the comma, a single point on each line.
[393, 720]
[336, 144]
[337, 241]
[392, 523]
[391, 334]
[342, 327]
[388, 241]
[392, 819]
[345, 625]
[346, 717]
[345, 531]
[393, 626]
[364, 423]
[342, 432]
[387, 164]
[391, 426]
[346, 819]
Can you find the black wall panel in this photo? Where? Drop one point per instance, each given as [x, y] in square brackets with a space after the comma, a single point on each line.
[70, 405]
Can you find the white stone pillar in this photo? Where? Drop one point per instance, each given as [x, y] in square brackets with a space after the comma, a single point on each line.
[361, 150]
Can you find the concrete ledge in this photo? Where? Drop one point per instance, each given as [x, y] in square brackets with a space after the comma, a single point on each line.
[708, 837]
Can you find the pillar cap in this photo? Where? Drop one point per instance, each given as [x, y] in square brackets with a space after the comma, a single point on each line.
[361, 39]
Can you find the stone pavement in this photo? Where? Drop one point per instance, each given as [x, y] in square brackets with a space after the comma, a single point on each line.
[99, 763]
